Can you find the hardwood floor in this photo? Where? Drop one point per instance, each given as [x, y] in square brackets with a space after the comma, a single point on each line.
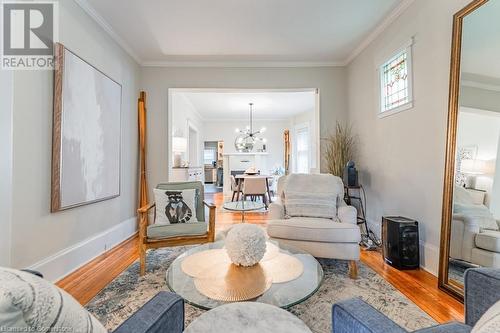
[418, 285]
[87, 281]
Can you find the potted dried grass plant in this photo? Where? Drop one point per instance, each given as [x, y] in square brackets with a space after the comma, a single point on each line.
[340, 148]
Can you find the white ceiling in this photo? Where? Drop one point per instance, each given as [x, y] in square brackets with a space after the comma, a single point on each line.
[480, 45]
[174, 31]
[234, 105]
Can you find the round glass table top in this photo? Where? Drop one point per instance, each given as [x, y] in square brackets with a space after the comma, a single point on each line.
[243, 206]
[283, 295]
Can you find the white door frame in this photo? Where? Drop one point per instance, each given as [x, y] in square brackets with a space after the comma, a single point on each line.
[172, 91]
[191, 126]
[6, 150]
[295, 129]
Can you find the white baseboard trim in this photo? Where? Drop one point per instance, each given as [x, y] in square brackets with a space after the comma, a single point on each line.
[429, 258]
[62, 263]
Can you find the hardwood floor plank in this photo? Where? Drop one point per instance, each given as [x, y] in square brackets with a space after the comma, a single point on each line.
[418, 285]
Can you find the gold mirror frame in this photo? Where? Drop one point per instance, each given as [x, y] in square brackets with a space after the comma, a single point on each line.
[449, 286]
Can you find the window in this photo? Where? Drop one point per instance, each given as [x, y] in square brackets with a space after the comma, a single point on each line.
[209, 155]
[302, 149]
[396, 83]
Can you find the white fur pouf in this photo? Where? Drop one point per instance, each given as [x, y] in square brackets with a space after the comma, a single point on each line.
[245, 244]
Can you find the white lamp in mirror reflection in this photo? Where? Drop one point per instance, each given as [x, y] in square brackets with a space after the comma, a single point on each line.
[179, 146]
[473, 168]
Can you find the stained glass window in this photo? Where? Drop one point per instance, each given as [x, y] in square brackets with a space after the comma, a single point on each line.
[395, 79]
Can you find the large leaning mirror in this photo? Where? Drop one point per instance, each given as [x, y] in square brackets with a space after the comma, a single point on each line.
[470, 235]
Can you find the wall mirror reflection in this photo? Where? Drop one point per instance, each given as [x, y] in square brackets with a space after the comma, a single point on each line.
[471, 205]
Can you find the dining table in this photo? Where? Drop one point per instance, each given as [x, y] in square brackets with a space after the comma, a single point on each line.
[241, 178]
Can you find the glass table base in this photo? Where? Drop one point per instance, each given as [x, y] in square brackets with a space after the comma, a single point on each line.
[243, 206]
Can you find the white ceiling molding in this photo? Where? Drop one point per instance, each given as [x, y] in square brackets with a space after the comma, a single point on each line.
[241, 64]
[480, 85]
[395, 13]
[102, 22]
[235, 120]
[193, 108]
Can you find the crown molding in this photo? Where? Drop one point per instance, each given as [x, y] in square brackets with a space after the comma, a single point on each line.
[389, 19]
[239, 120]
[480, 85]
[193, 108]
[85, 5]
[393, 15]
[242, 64]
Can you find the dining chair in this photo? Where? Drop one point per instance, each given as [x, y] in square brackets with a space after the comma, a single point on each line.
[235, 188]
[255, 187]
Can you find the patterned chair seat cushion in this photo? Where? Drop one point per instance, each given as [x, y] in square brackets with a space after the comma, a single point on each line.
[160, 231]
[29, 303]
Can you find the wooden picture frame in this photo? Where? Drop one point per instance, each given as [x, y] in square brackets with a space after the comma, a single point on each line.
[86, 133]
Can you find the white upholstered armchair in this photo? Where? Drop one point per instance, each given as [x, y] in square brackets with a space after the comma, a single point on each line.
[337, 237]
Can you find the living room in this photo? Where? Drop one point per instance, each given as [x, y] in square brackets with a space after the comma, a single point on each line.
[81, 167]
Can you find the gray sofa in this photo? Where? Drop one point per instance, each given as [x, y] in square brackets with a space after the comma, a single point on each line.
[482, 290]
[163, 313]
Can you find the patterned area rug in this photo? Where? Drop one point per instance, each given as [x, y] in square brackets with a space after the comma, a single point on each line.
[124, 295]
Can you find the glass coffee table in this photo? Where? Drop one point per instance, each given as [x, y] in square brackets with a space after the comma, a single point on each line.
[284, 294]
[243, 206]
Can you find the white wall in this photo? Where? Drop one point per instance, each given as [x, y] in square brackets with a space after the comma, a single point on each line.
[225, 131]
[481, 129]
[58, 243]
[182, 113]
[6, 92]
[156, 82]
[401, 157]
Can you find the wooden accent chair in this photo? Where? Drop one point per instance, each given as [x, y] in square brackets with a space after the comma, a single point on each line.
[156, 236]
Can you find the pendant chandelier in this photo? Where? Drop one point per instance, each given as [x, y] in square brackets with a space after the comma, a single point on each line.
[246, 139]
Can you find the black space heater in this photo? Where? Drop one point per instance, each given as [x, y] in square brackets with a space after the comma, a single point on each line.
[400, 243]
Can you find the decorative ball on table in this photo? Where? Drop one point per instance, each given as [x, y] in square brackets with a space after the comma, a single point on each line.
[245, 244]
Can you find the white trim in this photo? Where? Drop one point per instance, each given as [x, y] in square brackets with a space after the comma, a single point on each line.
[317, 120]
[243, 64]
[85, 5]
[214, 120]
[6, 125]
[429, 257]
[195, 110]
[238, 90]
[296, 128]
[386, 22]
[191, 126]
[480, 85]
[408, 48]
[394, 111]
[62, 263]
[396, 12]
